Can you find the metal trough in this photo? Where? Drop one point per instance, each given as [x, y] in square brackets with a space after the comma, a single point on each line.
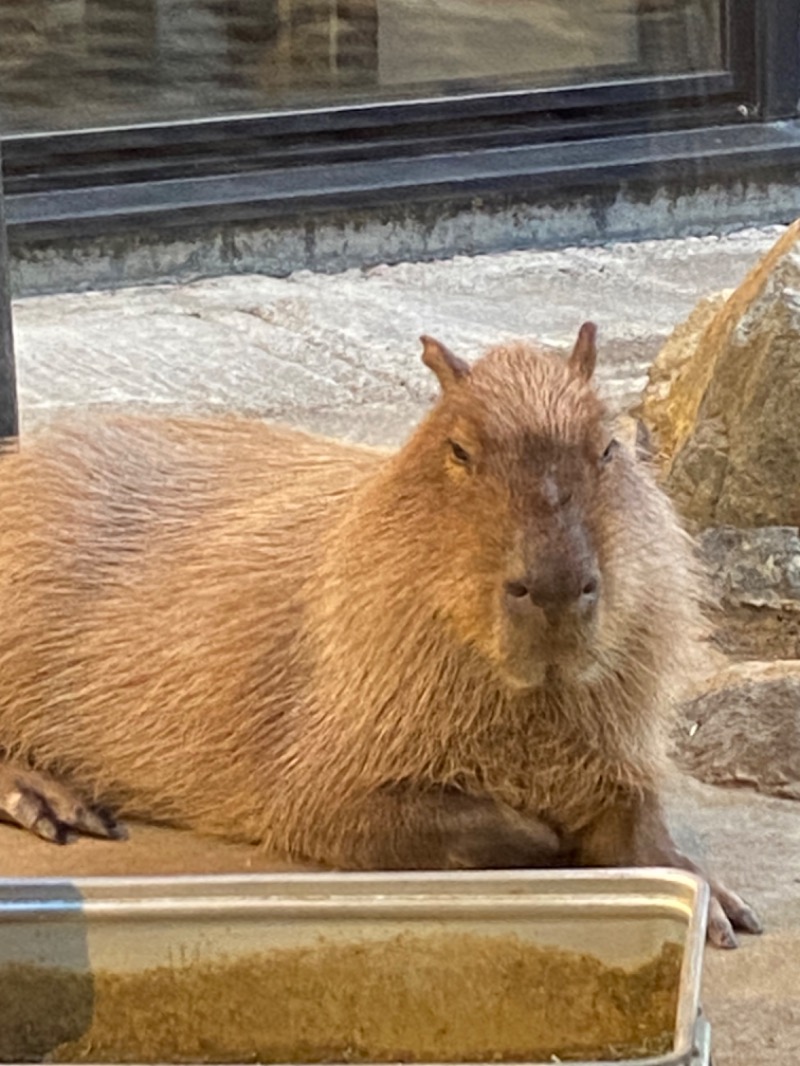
[97, 930]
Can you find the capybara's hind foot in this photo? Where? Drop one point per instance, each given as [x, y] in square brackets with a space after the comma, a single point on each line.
[49, 809]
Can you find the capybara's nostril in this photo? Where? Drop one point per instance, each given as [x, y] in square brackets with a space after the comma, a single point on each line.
[516, 589]
[560, 588]
[591, 590]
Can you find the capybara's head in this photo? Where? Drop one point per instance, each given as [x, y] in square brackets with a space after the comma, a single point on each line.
[517, 465]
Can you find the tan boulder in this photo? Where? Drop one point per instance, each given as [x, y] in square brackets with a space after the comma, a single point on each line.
[723, 400]
[677, 381]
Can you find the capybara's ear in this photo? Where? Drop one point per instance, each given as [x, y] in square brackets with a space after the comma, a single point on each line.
[582, 361]
[447, 367]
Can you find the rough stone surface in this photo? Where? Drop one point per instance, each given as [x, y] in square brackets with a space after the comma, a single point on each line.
[672, 396]
[341, 354]
[333, 241]
[754, 567]
[744, 730]
[733, 451]
[756, 633]
[755, 578]
[751, 995]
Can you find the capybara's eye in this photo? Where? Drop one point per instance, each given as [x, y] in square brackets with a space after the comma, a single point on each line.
[609, 453]
[461, 455]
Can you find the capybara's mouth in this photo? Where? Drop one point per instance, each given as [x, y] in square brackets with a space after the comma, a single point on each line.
[551, 665]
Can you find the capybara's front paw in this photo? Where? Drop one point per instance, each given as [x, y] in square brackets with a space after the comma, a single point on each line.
[51, 810]
[489, 836]
[726, 913]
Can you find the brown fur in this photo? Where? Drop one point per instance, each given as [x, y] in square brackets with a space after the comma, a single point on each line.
[267, 635]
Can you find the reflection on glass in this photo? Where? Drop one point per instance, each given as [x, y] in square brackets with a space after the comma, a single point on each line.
[78, 63]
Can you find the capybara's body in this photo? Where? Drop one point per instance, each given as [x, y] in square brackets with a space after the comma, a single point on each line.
[155, 574]
[458, 654]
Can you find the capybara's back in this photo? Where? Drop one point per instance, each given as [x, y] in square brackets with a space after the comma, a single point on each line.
[153, 572]
[459, 654]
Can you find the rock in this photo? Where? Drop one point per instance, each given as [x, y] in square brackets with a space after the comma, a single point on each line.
[673, 393]
[744, 730]
[755, 579]
[754, 567]
[723, 400]
[742, 633]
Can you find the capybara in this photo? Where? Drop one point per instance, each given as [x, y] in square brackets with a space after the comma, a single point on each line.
[456, 655]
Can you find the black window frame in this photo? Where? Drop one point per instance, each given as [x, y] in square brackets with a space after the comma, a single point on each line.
[9, 419]
[101, 179]
[183, 173]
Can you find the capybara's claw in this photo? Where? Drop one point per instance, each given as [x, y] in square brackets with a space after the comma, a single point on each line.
[748, 921]
[728, 912]
[114, 830]
[51, 810]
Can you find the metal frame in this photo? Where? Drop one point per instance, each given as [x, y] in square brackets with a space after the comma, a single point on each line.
[778, 52]
[249, 156]
[693, 156]
[9, 426]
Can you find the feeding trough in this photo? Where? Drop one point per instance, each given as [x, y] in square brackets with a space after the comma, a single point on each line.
[533, 967]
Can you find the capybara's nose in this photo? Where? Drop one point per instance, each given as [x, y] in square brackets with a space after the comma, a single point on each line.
[556, 590]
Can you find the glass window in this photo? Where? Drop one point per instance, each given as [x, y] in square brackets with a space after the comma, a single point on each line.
[71, 64]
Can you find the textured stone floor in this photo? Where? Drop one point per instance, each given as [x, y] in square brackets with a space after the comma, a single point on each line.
[341, 354]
